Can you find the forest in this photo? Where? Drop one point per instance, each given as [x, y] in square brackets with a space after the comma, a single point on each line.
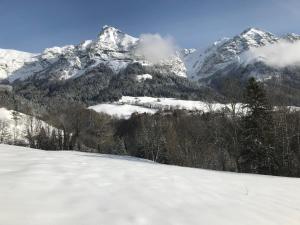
[263, 140]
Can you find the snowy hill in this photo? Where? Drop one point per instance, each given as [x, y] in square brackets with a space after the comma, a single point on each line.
[72, 188]
[14, 126]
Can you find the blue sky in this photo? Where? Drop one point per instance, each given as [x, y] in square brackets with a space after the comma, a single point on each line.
[32, 25]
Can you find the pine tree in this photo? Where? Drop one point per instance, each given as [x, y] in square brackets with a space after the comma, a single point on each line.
[16, 116]
[43, 140]
[257, 152]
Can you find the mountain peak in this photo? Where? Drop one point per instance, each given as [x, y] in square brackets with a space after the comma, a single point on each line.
[112, 38]
[109, 28]
[108, 31]
[252, 31]
[254, 37]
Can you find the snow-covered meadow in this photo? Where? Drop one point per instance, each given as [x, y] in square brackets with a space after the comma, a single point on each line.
[121, 110]
[72, 188]
[128, 105]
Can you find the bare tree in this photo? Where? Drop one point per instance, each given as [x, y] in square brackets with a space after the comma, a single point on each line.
[4, 131]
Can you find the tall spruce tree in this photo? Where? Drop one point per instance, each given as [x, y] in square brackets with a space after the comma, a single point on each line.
[257, 154]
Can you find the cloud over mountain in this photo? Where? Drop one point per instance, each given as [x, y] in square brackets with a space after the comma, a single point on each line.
[280, 54]
[155, 48]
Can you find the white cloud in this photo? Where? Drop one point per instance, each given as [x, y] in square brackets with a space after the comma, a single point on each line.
[280, 54]
[155, 48]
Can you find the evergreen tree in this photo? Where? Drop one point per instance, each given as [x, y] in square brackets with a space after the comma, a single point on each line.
[41, 139]
[16, 116]
[257, 154]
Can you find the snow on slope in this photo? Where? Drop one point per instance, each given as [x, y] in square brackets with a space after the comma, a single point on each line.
[112, 39]
[116, 49]
[73, 188]
[11, 61]
[226, 52]
[10, 130]
[246, 48]
[128, 105]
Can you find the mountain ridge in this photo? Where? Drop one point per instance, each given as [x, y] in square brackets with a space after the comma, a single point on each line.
[111, 62]
[112, 47]
[116, 49]
[229, 53]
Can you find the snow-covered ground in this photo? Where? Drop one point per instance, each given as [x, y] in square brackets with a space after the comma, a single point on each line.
[128, 105]
[171, 103]
[121, 110]
[72, 188]
[143, 77]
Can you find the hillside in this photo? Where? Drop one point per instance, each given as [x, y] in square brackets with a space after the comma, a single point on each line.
[72, 188]
[15, 127]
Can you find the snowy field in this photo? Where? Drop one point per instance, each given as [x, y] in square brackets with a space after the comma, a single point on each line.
[72, 188]
[121, 110]
[128, 105]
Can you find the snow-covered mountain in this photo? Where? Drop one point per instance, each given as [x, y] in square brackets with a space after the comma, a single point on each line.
[112, 47]
[117, 50]
[229, 53]
[114, 64]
